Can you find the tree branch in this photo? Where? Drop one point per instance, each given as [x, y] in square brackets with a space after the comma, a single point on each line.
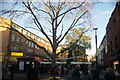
[40, 26]
[70, 10]
[73, 43]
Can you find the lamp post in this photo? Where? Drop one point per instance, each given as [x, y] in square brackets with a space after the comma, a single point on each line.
[95, 29]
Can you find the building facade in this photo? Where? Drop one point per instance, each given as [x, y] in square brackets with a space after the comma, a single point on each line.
[113, 37]
[102, 50]
[19, 42]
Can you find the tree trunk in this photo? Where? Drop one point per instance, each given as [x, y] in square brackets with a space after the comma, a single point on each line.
[53, 60]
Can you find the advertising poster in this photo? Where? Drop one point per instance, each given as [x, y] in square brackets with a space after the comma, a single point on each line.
[21, 66]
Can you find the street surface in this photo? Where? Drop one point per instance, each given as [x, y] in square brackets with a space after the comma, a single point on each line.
[22, 76]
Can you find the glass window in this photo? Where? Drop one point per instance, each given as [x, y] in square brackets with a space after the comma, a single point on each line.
[35, 46]
[17, 39]
[32, 44]
[111, 45]
[31, 35]
[21, 40]
[16, 48]
[12, 47]
[21, 30]
[13, 37]
[20, 48]
[37, 38]
[116, 44]
[26, 41]
[29, 43]
[15, 27]
[27, 33]
[38, 48]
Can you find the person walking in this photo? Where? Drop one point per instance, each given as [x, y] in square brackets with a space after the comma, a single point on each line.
[117, 73]
[76, 73]
[109, 75]
[11, 68]
[32, 73]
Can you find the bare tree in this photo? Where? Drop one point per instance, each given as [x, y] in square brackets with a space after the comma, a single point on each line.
[57, 17]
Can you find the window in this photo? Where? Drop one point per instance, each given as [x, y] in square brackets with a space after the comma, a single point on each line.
[13, 37]
[16, 48]
[26, 41]
[30, 50]
[38, 48]
[109, 27]
[17, 39]
[111, 46]
[29, 44]
[31, 35]
[12, 47]
[21, 30]
[21, 40]
[15, 27]
[37, 38]
[114, 21]
[35, 46]
[32, 44]
[27, 33]
[116, 45]
[20, 49]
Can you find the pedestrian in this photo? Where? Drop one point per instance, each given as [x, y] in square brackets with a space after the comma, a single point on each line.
[63, 71]
[11, 69]
[32, 73]
[95, 71]
[117, 74]
[85, 70]
[76, 72]
[109, 75]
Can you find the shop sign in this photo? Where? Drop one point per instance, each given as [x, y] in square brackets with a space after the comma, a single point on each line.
[1, 54]
[16, 54]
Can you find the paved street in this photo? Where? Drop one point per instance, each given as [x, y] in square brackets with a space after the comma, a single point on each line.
[22, 76]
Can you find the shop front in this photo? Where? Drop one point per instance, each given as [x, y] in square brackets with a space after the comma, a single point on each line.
[115, 61]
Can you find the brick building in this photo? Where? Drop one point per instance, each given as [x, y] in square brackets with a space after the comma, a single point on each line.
[19, 42]
[113, 37]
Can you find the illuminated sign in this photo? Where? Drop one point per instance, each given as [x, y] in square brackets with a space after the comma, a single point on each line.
[16, 54]
[1, 54]
[37, 58]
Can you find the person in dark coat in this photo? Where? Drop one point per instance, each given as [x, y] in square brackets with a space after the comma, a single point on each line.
[62, 72]
[32, 73]
[12, 70]
[109, 75]
[76, 72]
[85, 70]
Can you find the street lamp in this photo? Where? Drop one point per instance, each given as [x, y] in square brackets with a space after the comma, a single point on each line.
[95, 29]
